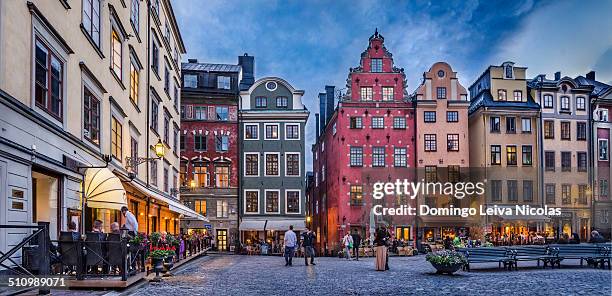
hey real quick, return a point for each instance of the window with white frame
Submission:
(378, 156)
(222, 209)
(518, 95)
(548, 101)
(116, 54)
(526, 125)
(272, 201)
(376, 65)
(366, 93)
(251, 201)
(292, 201)
(271, 132)
(282, 102)
(387, 93)
(200, 112)
(378, 122)
(603, 149)
(580, 103)
(221, 143)
(91, 20)
(261, 102)
(190, 81)
(399, 157)
(224, 82)
(292, 131)
(251, 164)
(565, 103)
(292, 164)
(356, 156)
(272, 164)
(222, 176)
(399, 122)
(251, 131)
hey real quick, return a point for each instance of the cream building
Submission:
(81, 81)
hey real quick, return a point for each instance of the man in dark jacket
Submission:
(308, 238)
(356, 244)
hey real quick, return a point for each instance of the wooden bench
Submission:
(485, 255)
(531, 253)
(591, 253)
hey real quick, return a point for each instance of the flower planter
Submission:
(168, 264)
(448, 269)
(158, 266)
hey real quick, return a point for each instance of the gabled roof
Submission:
(600, 89)
(210, 67)
(485, 99)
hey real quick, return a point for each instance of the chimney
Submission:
(192, 61)
(591, 75)
(322, 103)
(247, 63)
(329, 90)
(557, 76)
(318, 126)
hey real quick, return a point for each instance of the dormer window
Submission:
(376, 65)
(508, 71)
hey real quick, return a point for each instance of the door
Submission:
(221, 240)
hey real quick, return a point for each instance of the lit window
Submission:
(91, 117)
(356, 195)
(116, 54)
(222, 176)
(222, 209)
(134, 75)
(116, 138)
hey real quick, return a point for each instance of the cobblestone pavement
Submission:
(259, 275)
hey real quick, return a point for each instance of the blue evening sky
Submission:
(313, 43)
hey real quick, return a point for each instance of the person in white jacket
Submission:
(347, 242)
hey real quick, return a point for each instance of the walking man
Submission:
(290, 243)
(308, 238)
(356, 244)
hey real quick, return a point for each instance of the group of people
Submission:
(291, 243)
(382, 241)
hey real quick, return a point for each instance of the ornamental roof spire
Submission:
(376, 35)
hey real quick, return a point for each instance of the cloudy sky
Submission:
(313, 43)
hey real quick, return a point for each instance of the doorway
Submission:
(46, 201)
(221, 240)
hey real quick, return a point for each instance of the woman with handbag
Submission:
(347, 242)
(380, 241)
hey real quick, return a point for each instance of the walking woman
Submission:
(347, 241)
(380, 240)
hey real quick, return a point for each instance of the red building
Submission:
(367, 138)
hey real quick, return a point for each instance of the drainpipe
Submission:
(148, 69)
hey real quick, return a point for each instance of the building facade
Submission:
(272, 167)
(504, 146)
(369, 137)
(441, 118)
(108, 91)
(565, 138)
(209, 146)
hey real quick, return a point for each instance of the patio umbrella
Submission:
(103, 190)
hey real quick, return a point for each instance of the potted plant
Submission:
(446, 261)
(138, 242)
(157, 260)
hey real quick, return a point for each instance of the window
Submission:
(452, 142)
(496, 190)
(292, 131)
(221, 143)
(175, 138)
(251, 202)
(378, 156)
(510, 125)
(199, 142)
(366, 93)
(565, 103)
(293, 202)
(222, 113)
(566, 161)
(431, 173)
(222, 209)
(116, 138)
(376, 65)
(454, 173)
(501, 94)
(508, 71)
(222, 176)
(603, 149)
(566, 197)
(224, 82)
(165, 179)
(183, 173)
(549, 129)
(356, 122)
(602, 115)
(527, 190)
(200, 174)
(511, 155)
(251, 131)
(272, 201)
(356, 156)
(581, 132)
(441, 92)
(200, 112)
(271, 131)
(182, 142)
(527, 153)
(550, 193)
(548, 101)
(580, 103)
(582, 161)
(399, 157)
(116, 54)
(378, 122)
(166, 128)
(387, 93)
(200, 206)
(429, 116)
(134, 153)
(518, 96)
(154, 114)
(512, 190)
(549, 161)
(166, 80)
(430, 142)
(48, 80)
(565, 130)
(272, 165)
(135, 14)
(261, 102)
(399, 122)
(526, 125)
(176, 97)
(582, 198)
(91, 117)
(282, 102)
(91, 20)
(134, 75)
(292, 164)
(251, 164)
(190, 81)
(452, 116)
(323, 174)
(603, 188)
(154, 173)
(356, 194)
(495, 124)
(495, 155)
(155, 56)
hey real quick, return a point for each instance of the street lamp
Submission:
(160, 151)
(308, 219)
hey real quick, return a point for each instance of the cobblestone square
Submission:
(262, 275)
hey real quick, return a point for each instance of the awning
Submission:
(283, 225)
(252, 225)
(103, 190)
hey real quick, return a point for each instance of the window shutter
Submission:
(189, 111)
